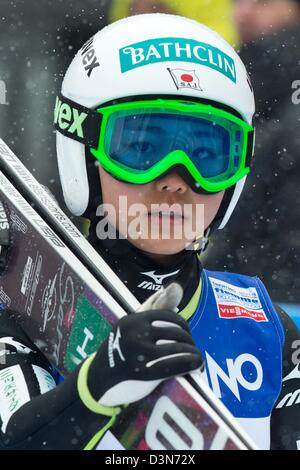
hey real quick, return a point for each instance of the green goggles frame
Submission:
(176, 157)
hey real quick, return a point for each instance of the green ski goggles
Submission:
(140, 141)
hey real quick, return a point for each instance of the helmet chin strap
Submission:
(201, 243)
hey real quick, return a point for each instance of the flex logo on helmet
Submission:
(176, 49)
(68, 118)
(89, 59)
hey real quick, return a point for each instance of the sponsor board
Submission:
(237, 302)
(176, 50)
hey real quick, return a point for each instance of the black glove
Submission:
(142, 350)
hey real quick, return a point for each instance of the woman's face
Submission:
(162, 217)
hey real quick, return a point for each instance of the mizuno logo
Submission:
(290, 399)
(68, 118)
(295, 374)
(114, 345)
(157, 278)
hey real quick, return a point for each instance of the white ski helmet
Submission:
(140, 56)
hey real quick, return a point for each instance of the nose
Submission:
(172, 183)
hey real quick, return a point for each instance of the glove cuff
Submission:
(85, 395)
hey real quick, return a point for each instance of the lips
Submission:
(166, 214)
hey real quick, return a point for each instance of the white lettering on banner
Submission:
(176, 49)
(197, 50)
(152, 51)
(165, 46)
(234, 375)
(136, 54)
(224, 291)
(228, 66)
(157, 423)
(81, 349)
(186, 49)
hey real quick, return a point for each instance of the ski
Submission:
(68, 298)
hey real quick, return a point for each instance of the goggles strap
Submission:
(250, 148)
(77, 122)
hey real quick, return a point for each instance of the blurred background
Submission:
(38, 39)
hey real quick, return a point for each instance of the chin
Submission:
(161, 247)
